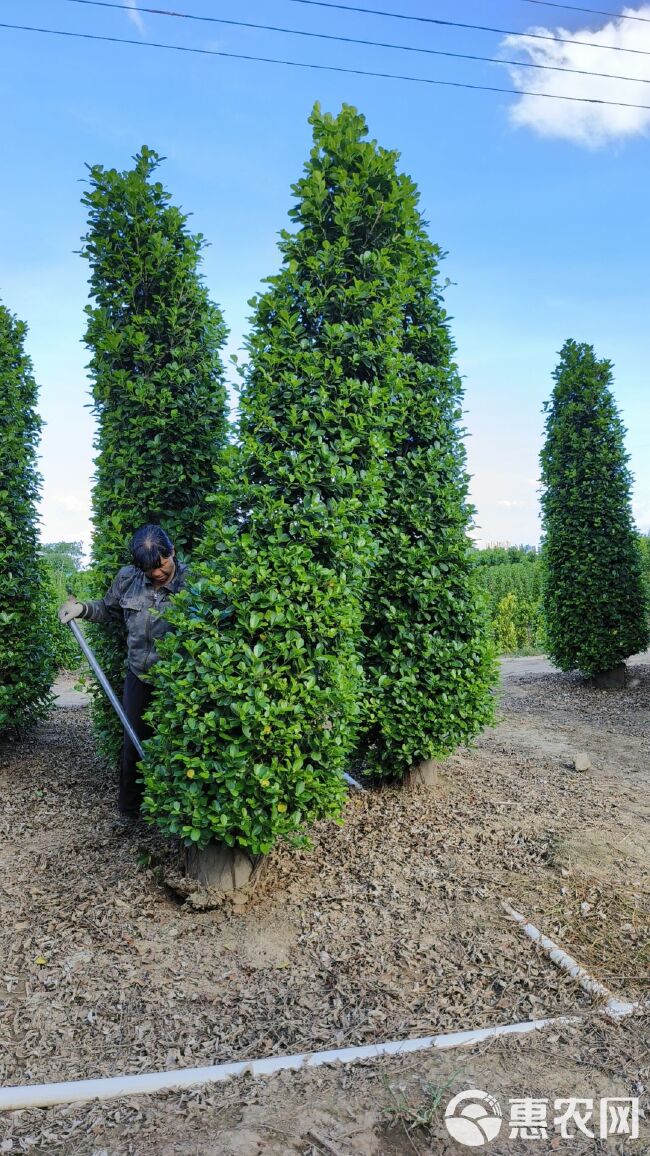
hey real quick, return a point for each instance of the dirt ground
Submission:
(390, 927)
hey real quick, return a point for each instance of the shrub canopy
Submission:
(27, 620)
(428, 662)
(265, 657)
(594, 598)
(258, 700)
(157, 380)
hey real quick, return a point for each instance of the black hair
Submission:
(149, 545)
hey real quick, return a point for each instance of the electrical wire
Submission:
(474, 27)
(356, 40)
(589, 11)
(321, 67)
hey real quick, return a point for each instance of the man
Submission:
(138, 596)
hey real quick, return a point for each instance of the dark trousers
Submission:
(135, 700)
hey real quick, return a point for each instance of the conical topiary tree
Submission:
(157, 381)
(256, 713)
(594, 598)
(428, 663)
(270, 633)
(27, 619)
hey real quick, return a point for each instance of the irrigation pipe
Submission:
(112, 1087)
(80, 1091)
(567, 963)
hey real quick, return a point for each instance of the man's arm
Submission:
(106, 609)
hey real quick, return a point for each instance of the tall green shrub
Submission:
(272, 693)
(330, 415)
(428, 661)
(157, 381)
(594, 598)
(27, 620)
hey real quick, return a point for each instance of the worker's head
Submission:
(152, 551)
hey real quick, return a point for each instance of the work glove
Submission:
(71, 609)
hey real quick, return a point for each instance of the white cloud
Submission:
(586, 124)
(70, 503)
(134, 15)
(65, 517)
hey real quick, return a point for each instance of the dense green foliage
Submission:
(511, 577)
(27, 620)
(500, 555)
(63, 567)
(258, 700)
(274, 690)
(594, 596)
(428, 662)
(644, 546)
(157, 381)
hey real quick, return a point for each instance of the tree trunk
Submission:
(424, 774)
(220, 867)
(613, 679)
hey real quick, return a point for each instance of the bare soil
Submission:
(390, 927)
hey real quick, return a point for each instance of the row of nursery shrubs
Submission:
(333, 619)
(511, 577)
(65, 574)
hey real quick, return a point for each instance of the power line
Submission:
(356, 40)
(589, 11)
(322, 67)
(474, 27)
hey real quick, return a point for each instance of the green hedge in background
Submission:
(63, 566)
(511, 578)
(157, 383)
(595, 599)
(27, 619)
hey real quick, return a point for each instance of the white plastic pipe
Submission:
(80, 1091)
(567, 963)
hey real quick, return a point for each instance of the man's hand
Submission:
(70, 609)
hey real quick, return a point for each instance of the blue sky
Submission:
(539, 203)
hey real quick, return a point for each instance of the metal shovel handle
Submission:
(106, 687)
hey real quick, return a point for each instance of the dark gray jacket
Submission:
(133, 598)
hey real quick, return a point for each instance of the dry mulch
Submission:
(390, 927)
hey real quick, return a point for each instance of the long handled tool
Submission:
(117, 706)
(106, 687)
